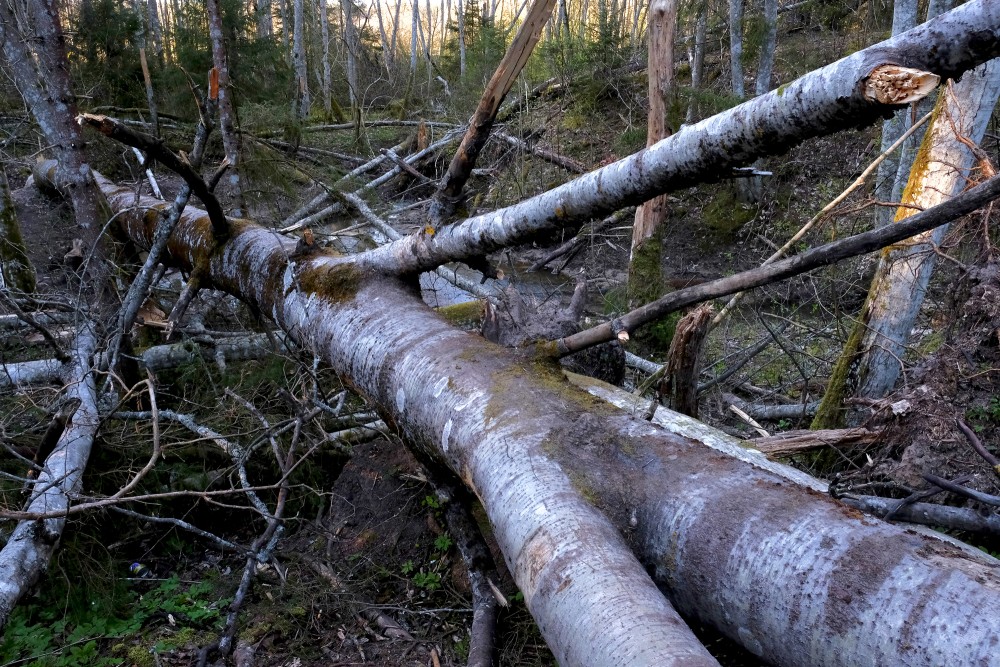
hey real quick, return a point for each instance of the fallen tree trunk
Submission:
(790, 574)
(29, 549)
(45, 371)
(851, 92)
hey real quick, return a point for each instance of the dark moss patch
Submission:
(339, 282)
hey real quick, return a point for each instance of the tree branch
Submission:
(814, 258)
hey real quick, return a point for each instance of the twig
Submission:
(57, 349)
(183, 525)
(963, 490)
(977, 445)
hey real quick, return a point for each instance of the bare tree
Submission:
(736, 47)
(265, 22)
(302, 101)
(645, 281)
(227, 111)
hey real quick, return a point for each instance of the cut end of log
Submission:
(892, 84)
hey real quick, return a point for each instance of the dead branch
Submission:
(567, 163)
(960, 490)
(814, 258)
(794, 442)
(448, 197)
(928, 514)
(155, 148)
(977, 445)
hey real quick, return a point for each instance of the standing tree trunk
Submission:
(42, 76)
(645, 281)
(414, 35)
(324, 28)
(387, 55)
(283, 12)
(945, 164)
(736, 47)
(697, 58)
(767, 48)
(227, 112)
(395, 29)
(461, 39)
(301, 103)
(155, 30)
(353, 46)
(909, 150)
(904, 17)
(265, 24)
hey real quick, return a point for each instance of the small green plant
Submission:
(429, 581)
(408, 567)
(443, 543)
(983, 415)
(42, 635)
(431, 502)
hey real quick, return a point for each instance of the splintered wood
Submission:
(892, 84)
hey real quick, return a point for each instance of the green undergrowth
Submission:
(110, 622)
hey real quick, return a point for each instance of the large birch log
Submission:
(29, 549)
(790, 574)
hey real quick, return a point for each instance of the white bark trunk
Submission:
(227, 110)
(904, 17)
(461, 39)
(736, 47)
(767, 49)
(324, 30)
(941, 170)
(302, 100)
(414, 30)
(353, 50)
(29, 549)
(265, 23)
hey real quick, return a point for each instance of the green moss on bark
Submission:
(645, 272)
